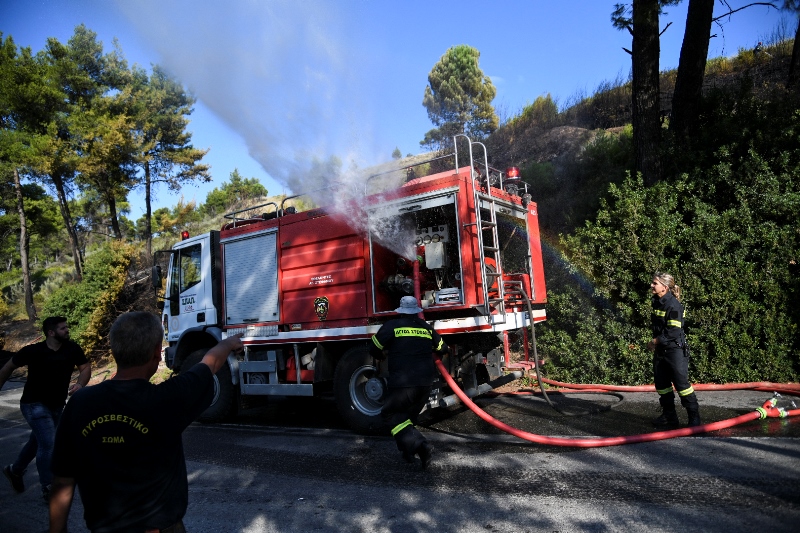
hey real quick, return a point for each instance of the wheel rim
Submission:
(216, 390)
(366, 390)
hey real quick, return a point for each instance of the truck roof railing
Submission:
(232, 216)
(488, 180)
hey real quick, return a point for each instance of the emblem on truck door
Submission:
(321, 305)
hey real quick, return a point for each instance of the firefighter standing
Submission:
(409, 341)
(671, 353)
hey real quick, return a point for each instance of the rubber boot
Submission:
(668, 418)
(425, 452)
(694, 416)
(409, 440)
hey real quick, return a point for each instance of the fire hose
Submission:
(767, 410)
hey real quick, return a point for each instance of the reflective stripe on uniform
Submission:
(412, 332)
(400, 427)
(659, 313)
(376, 343)
(686, 392)
(664, 391)
(440, 346)
(674, 323)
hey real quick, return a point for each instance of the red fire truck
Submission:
(309, 289)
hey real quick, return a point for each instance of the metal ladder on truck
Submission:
(492, 278)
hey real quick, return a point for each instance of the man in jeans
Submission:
(50, 365)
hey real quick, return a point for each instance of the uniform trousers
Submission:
(400, 413)
(672, 367)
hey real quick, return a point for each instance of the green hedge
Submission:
(729, 233)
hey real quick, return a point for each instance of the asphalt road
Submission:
(292, 466)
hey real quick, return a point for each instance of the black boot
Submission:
(425, 452)
(409, 440)
(694, 416)
(667, 419)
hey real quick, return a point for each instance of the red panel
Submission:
(322, 270)
(470, 257)
(540, 291)
(317, 226)
(344, 301)
(317, 253)
(319, 276)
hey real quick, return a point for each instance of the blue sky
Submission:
(280, 83)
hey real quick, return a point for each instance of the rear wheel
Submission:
(359, 392)
(223, 404)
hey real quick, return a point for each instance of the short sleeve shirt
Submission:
(121, 442)
(49, 372)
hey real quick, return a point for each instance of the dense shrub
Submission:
(89, 305)
(727, 229)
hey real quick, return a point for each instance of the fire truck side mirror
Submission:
(155, 277)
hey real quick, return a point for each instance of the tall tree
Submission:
(793, 6)
(42, 220)
(458, 98)
(160, 107)
(16, 78)
(691, 67)
(108, 147)
(643, 26)
(24, 246)
(692, 63)
(82, 74)
(646, 84)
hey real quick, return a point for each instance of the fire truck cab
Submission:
(309, 289)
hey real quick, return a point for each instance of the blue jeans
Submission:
(43, 421)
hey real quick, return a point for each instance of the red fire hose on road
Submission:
(767, 410)
(789, 388)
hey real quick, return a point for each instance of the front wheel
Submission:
(359, 392)
(223, 404)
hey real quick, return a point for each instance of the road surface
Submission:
(292, 466)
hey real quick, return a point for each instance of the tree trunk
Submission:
(24, 242)
(794, 68)
(73, 236)
(691, 68)
(148, 228)
(112, 208)
(646, 119)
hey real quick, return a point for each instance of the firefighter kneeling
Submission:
(409, 342)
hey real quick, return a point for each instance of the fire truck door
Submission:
(187, 292)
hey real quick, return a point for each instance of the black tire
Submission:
(223, 406)
(359, 392)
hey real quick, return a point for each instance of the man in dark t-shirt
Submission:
(409, 342)
(50, 365)
(120, 441)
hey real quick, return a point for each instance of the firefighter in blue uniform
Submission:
(671, 353)
(409, 343)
